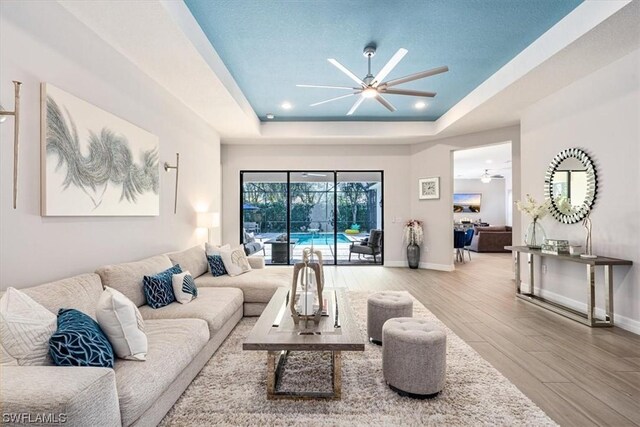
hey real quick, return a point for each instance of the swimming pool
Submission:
(318, 238)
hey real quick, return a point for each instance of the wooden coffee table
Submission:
(276, 333)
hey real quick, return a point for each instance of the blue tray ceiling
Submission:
(270, 46)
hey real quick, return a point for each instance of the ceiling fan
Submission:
(373, 86)
(486, 177)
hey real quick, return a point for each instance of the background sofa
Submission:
(181, 337)
(491, 239)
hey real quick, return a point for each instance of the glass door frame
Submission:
(335, 205)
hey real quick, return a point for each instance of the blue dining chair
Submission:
(468, 237)
(458, 244)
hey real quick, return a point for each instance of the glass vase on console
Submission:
(535, 235)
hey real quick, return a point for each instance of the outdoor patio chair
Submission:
(371, 246)
(252, 227)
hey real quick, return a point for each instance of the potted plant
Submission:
(535, 235)
(414, 236)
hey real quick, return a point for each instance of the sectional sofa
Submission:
(181, 337)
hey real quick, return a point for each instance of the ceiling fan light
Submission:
(369, 92)
(485, 178)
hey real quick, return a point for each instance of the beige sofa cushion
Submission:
(79, 292)
(194, 260)
(215, 306)
(256, 285)
(84, 396)
(127, 277)
(173, 343)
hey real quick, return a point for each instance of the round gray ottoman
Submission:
(414, 357)
(383, 306)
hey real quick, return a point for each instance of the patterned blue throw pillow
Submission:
(216, 265)
(158, 289)
(79, 341)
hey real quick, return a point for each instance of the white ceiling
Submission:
(471, 163)
(172, 49)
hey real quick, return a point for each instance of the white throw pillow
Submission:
(25, 329)
(184, 287)
(122, 323)
(215, 249)
(235, 261)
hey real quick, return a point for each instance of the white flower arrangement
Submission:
(532, 208)
(413, 233)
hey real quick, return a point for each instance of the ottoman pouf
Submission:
(414, 357)
(383, 306)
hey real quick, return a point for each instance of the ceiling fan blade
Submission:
(332, 99)
(356, 105)
(342, 68)
(329, 87)
(389, 66)
(416, 76)
(407, 92)
(386, 103)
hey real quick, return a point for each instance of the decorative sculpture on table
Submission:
(311, 273)
(586, 222)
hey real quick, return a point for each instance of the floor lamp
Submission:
(208, 220)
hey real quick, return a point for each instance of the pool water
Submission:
(318, 238)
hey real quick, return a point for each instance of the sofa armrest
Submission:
(256, 262)
(45, 395)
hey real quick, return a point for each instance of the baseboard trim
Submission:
(423, 265)
(623, 322)
(439, 267)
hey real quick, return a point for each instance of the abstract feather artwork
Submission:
(94, 163)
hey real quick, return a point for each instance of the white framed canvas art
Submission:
(94, 163)
(429, 188)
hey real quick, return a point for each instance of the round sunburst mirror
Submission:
(570, 185)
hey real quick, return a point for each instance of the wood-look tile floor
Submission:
(578, 375)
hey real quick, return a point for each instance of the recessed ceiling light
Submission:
(489, 161)
(420, 105)
(286, 105)
(270, 116)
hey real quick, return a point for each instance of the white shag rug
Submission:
(231, 389)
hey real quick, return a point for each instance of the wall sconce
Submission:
(167, 167)
(16, 128)
(208, 220)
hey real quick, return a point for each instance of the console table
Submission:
(589, 318)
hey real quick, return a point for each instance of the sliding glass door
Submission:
(335, 212)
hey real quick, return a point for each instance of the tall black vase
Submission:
(413, 255)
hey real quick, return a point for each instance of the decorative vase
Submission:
(535, 236)
(413, 255)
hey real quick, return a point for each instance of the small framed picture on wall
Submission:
(429, 188)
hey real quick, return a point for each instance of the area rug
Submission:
(231, 389)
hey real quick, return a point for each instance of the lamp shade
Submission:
(208, 219)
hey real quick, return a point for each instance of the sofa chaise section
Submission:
(173, 345)
(257, 285)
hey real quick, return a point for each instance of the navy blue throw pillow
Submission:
(158, 289)
(79, 341)
(216, 265)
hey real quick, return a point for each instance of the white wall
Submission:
(402, 166)
(492, 208)
(600, 114)
(435, 159)
(394, 161)
(41, 42)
